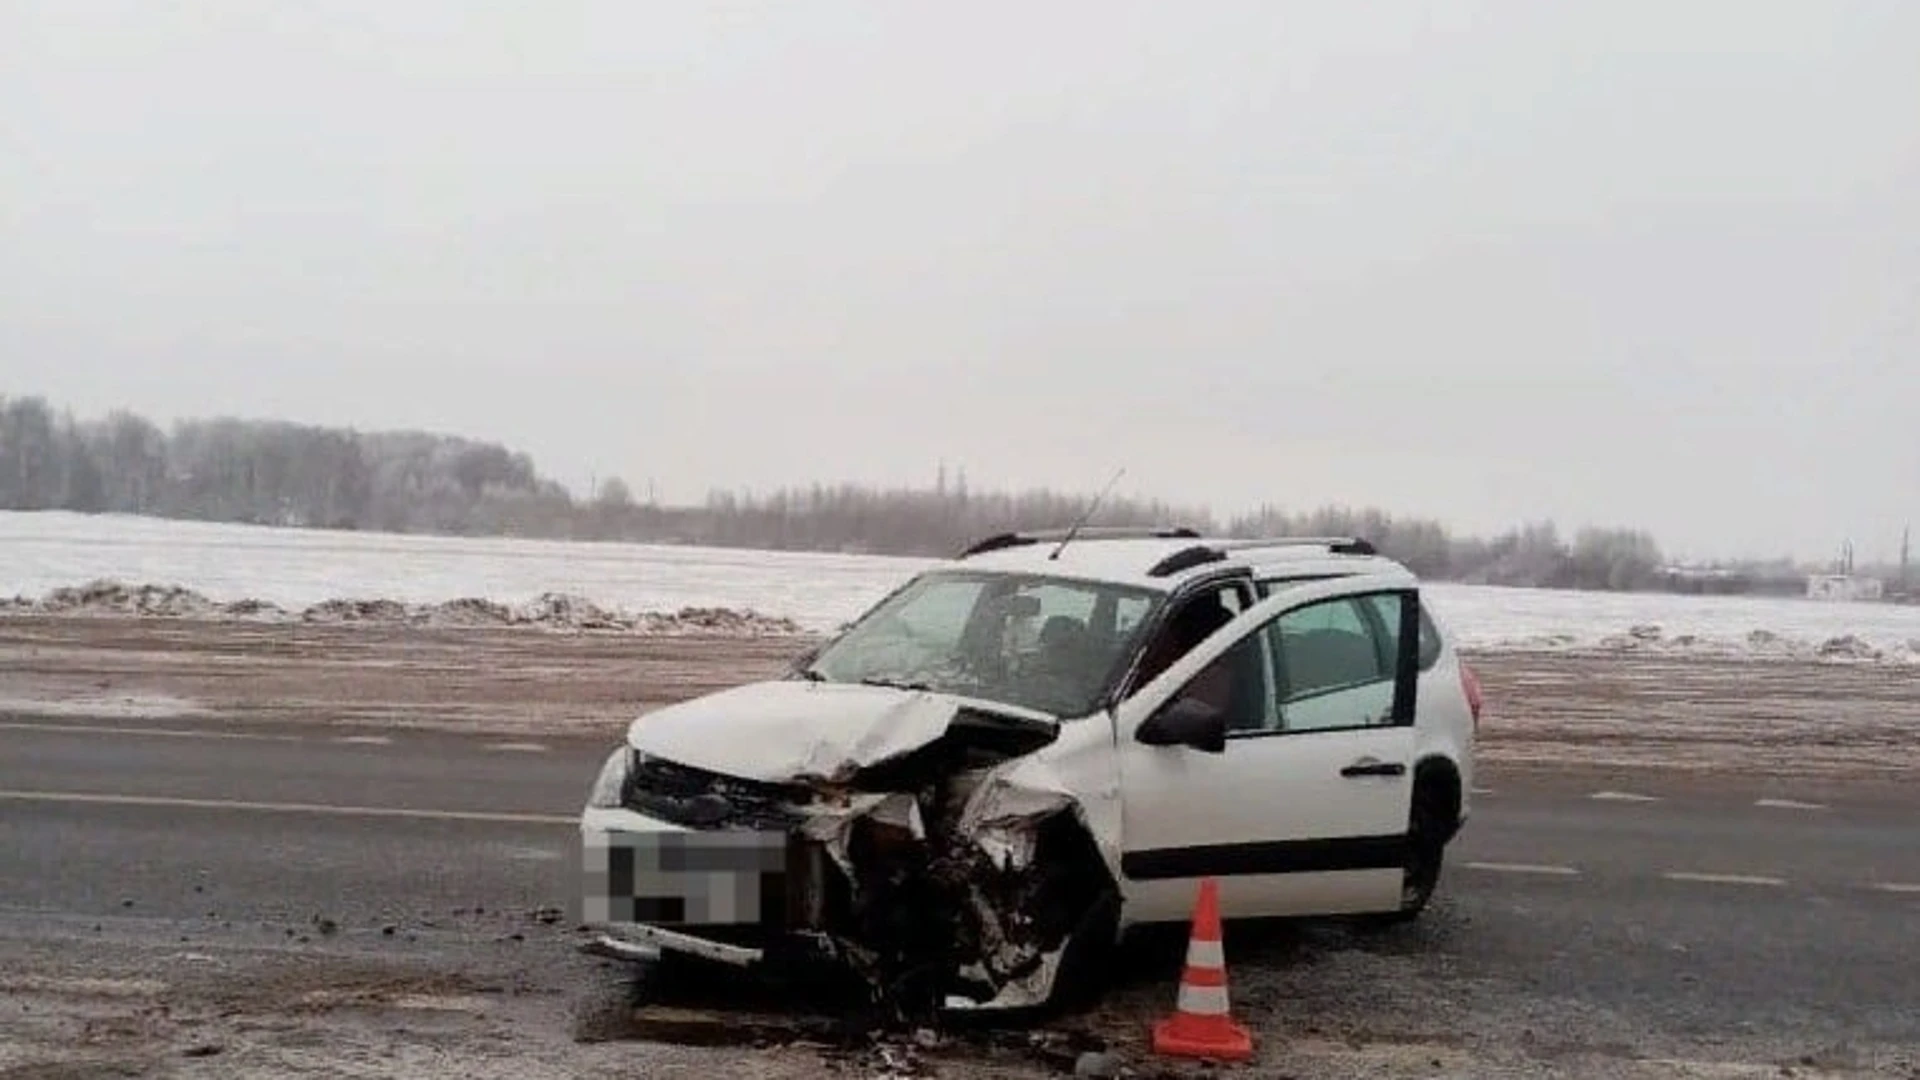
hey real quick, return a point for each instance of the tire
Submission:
(1087, 965)
(1428, 831)
(1427, 839)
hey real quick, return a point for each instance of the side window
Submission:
(1335, 663)
(1343, 615)
(1328, 666)
(1384, 611)
(1238, 683)
(1429, 641)
(1195, 619)
(1271, 586)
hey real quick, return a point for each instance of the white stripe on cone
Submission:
(1206, 954)
(1203, 1000)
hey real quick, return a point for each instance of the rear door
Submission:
(1305, 812)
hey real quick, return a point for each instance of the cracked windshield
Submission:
(1043, 643)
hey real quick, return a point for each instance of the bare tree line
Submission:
(278, 473)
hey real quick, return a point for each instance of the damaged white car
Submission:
(972, 790)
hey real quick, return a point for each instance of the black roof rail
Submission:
(1186, 559)
(1092, 532)
(1339, 545)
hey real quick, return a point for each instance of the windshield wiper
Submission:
(811, 674)
(896, 684)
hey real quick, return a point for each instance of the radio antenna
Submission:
(1087, 515)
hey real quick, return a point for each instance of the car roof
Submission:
(1162, 560)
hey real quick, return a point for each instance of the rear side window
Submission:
(1388, 607)
(1329, 646)
(1429, 641)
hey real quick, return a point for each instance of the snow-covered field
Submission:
(298, 569)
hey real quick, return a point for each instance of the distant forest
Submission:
(278, 473)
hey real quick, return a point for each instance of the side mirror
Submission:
(1186, 721)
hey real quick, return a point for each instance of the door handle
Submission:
(1373, 767)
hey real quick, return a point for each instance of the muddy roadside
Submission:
(1833, 721)
(130, 1001)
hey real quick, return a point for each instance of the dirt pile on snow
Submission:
(254, 609)
(565, 611)
(470, 612)
(356, 611)
(549, 611)
(1847, 647)
(712, 620)
(1755, 645)
(113, 598)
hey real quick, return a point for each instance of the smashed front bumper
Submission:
(730, 895)
(887, 886)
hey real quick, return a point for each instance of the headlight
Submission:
(611, 784)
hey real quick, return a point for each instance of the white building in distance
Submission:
(1844, 587)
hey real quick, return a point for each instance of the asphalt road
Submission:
(1579, 912)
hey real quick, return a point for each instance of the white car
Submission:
(974, 788)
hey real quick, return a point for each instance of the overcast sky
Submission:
(1644, 263)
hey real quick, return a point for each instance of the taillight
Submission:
(1470, 683)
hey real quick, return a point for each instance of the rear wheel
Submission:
(1426, 849)
(1429, 827)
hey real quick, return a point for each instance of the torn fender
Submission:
(1078, 774)
(1047, 825)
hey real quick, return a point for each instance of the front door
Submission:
(1305, 812)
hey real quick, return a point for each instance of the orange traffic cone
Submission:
(1201, 1026)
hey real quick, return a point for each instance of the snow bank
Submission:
(548, 611)
(571, 613)
(292, 572)
(1651, 639)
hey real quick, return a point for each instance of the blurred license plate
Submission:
(726, 878)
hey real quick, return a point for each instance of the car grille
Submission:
(697, 799)
(691, 798)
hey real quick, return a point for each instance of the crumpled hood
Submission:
(793, 730)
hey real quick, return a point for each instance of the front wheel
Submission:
(1087, 961)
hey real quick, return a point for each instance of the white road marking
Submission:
(1524, 868)
(170, 733)
(518, 747)
(1480, 791)
(368, 740)
(83, 987)
(1704, 1067)
(1897, 887)
(422, 1002)
(1722, 879)
(1788, 804)
(1623, 796)
(87, 798)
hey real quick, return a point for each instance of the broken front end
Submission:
(959, 874)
